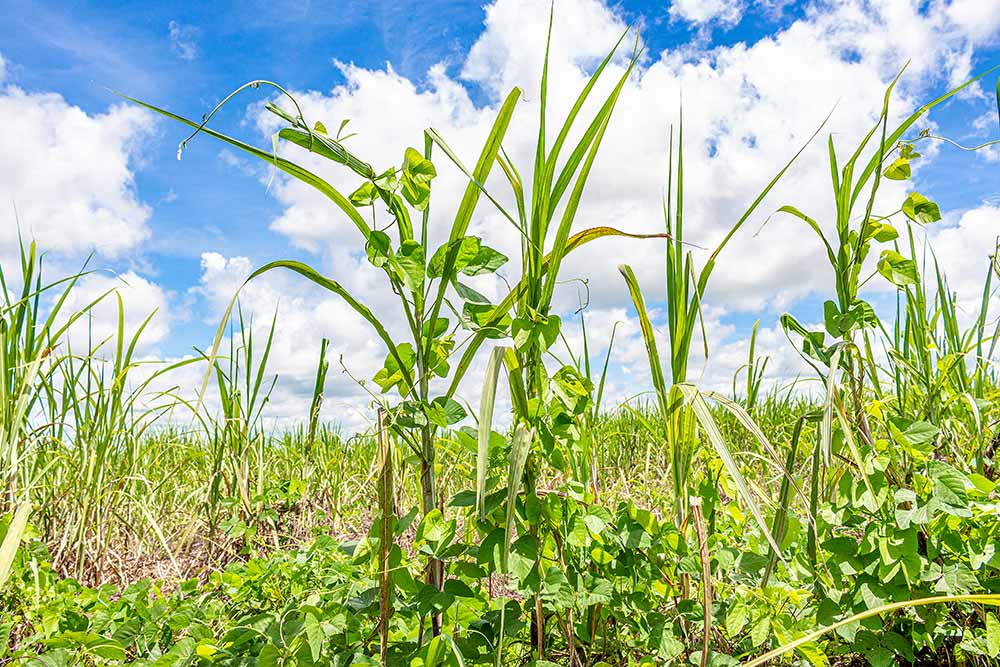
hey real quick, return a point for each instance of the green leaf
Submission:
(921, 209)
(542, 334)
(440, 326)
(392, 373)
(484, 315)
(831, 318)
(992, 635)
(314, 636)
(418, 172)
(432, 527)
(487, 402)
(736, 618)
(418, 167)
(411, 261)
(520, 447)
(899, 170)
(572, 388)
(469, 294)
(378, 248)
(914, 444)
(55, 658)
(949, 484)
(880, 231)
(386, 181)
(879, 657)
(487, 260)
(760, 630)
(269, 656)
(12, 540)
(694, 398)
(365, 195)
(921, 432)
(183, 654)
(465, 250)
(445, 411)
(897, 269)
(957, 579)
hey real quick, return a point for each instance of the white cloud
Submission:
(703, 11)
(70, 175)
(963, 250)
(305, 314)
(979, 18)
(183, 40)
(140, 299)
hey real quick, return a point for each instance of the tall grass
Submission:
(685, 290)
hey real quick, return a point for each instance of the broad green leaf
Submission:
(397, 368)
(992, 635)
(487, 260)
(880, 231)
(899, 170)
(417, 174)
(957, 579)
(897, 269)
(445, 412)
(411, 261)
(767, 658)
(529, 333)
(269, 656)
(366, 195)
(54, 658)
(949, 484)
(440, 326)
(463, 251)
(736, 618)
(469, 294)
(378, 248)
(760, 630)
(921, 209)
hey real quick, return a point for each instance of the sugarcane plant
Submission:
(418, 274)
(426, 279)
(681, 406)
(855, 186)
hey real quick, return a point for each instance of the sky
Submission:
(85, 173)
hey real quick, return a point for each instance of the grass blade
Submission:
(12, 540)
(486, 405)
(986, 599)
(520, 447)
(694, 398)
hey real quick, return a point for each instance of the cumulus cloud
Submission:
(67, 182)
(305, 315)
(963, 250)
(69, 174)
(704, 11)
(980, 20)
(140, 300)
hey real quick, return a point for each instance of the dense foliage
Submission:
(856, 526)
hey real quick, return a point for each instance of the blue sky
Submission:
(186, 56)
